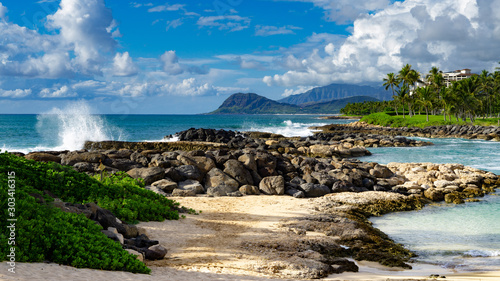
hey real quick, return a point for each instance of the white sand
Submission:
(208, 246)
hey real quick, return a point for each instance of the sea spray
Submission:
(68, 128)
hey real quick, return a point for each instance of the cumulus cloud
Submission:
(171, 65)
(265, 30)
(449, 34)
(85, 26)
(346, 11)
(231, 22)
(3, 10)
(297, 91)
(62, 92)
(189, 87)
(18, 93)
(123, 65)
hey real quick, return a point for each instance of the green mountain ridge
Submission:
(336, 92)
(250, 103)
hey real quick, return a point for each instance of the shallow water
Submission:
(462, 237)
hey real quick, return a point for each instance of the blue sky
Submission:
(184, 57)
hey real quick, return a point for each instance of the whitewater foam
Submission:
(287, 128)
(71, 126)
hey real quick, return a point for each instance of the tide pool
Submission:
(461, 237)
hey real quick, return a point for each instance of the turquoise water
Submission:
(464, 237)
(69, 128)
(461, 237)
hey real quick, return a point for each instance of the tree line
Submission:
(473, 97)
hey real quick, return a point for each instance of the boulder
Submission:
(443, 183)
(434, 194)
(156, 252)
(237, 170)
(295, 193)
(113, 236)
(249, 161)
(217, 177)
(149, 175)
(221, 190)
(165, 185)
(183, 193)
(72, 158)
(155, 189)
(139, 158)
(43, 157)
(380, 171)
(323, 178)
(273, 185)
(138, 255)
(203, 163)
(249, 190)
(314, 190)
(173, 174)
(189, 172)
(124, 164)
(84, 167)
(340, 265)
(193, 185)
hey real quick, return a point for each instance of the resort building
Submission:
(456, 75)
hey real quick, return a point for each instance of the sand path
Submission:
(208, 246)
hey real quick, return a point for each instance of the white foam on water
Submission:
(70, 127)
(288, 129)
(482, 253)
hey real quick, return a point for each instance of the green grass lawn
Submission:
(420, 120)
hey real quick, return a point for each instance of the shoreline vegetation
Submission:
(342, 192)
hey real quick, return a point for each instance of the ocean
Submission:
(463, 237)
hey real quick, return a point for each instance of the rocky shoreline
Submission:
(347, 191)
(447, 131)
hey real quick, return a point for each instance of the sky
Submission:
(187, 57)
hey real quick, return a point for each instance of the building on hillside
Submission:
(456, 75)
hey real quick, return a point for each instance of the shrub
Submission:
(45, 233)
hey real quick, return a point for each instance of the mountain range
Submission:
(336, 91)
(321, 100)
(250, 103)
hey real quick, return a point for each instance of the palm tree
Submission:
(425, 98)
(402, 94)
(466, 97)
(389, 82)
(409, 77)
(485, 90)
(436, 81)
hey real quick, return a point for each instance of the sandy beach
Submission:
(214, 245)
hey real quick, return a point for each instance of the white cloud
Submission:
(264, 30)
(62, 92)
(123, 65)
(346, 11)
(449, 34)
(231, 23)
(84, 25)
(166, 7)
(135, 90)
(189, 87)
(297, 91)
(18, 93)
(138, 5)
(174, 24)
(3, 10)
(171, 65)
(249, 61)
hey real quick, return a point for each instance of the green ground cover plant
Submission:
(45, 233)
